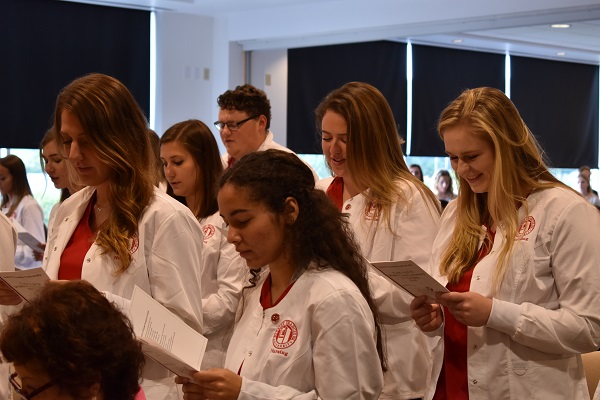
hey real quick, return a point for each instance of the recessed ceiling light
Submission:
(560, 26)
(561, 53)
(457, 41)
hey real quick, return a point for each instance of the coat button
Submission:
(274, 318)
(474, 347)
(88, 260)
(474, 381)
(55, 248)
(249, 353)
(347, 207)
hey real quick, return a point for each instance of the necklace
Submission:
(99, 208)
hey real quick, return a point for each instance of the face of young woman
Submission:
(256, 232)
(471, 157)
(443, 184)
(180, 169)
(583, 186)
(6, 181)
(334, 131)
(90, 169)
(416, 172)
(55, 165)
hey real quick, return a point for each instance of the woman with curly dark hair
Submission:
(308, 327)
(72, 343)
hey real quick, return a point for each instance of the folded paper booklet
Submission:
(26, 283)
(31, 241)
(165, 337)
(410, 277)
(27, 237)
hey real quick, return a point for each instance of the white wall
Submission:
(196, 62)
(184, 53)
(187, 48)
(268, 71)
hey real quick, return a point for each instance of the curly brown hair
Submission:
(246, 98)
(78, 338)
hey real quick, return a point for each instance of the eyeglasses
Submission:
(232, 126)
(24, 395)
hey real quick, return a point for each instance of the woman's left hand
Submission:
(212, 384)
(469, 308)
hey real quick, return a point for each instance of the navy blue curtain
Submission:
(46, 44)
(439, 76)
(315, 71)
(559, 103)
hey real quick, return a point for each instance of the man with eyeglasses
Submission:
(244, 121)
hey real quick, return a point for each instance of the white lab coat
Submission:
(547, 311)
(8, 245)
(30, 217)
(223, 273)
(318, 342)
(409, 351)
(269, 143)
(166, 264)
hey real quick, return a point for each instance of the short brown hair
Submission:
(246, 98)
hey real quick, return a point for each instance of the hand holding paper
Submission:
(164, 336)
(25, 283)
(410, 277)
(31, 241)
(427, 316)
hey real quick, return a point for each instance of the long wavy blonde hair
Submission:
(117, 131)
(518, 163)
(373, 149)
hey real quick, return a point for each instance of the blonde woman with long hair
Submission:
(393, 215)
(519, 250)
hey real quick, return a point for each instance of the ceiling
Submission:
(520, 27)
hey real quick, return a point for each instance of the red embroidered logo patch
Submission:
(372, 212)
(285, 335)
(208, 230)
(526, 228)
(135, 244)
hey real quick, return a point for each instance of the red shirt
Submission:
(335, 192)
(453, 380)
(265, 294)
(266, 302)
(71, 259)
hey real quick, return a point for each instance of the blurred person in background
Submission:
(586, 191)
(416, 170)
(443, 187)
(21, 208)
